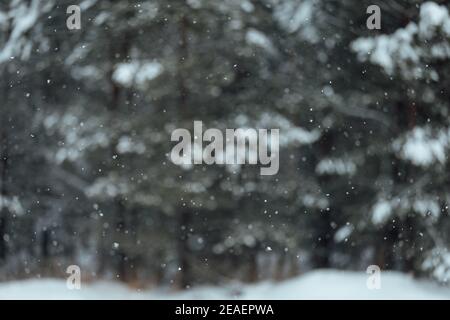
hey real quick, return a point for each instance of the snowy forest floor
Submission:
(320, 284)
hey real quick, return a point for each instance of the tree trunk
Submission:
(280, 270)
(322, 250)
(323, 239)
(121, 256)
(184, 277)
(3, 195)
(253, 270)
(182, 58)
(408, 248)
(184, 216)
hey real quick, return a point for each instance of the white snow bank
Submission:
(321, 284)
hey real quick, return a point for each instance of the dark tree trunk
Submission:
(121, 234)
(118, 53)
(4, 163)
(322, 249)
(45, 241)
(323, 238)
(184, 269)
(408, 248)
(253, 270)
(384, 252)
(280, 271)
(184, 216)
(4, 160)
(182, 58)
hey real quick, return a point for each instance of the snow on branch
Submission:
(406, 48)
(12, 204)
(17, 22)
(422, 147)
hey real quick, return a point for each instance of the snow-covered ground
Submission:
(321, 284)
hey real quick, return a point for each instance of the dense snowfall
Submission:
(86, 177)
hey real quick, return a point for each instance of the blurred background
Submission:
(86, 117)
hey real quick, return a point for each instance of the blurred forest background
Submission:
(86, 117)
